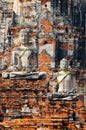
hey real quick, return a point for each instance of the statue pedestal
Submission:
(66, 97)
(24, 75)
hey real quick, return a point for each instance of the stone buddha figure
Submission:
(24, 60)
(65, 81)
(23, 57)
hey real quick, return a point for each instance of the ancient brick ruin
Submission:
(58, 30)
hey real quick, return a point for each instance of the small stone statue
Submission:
(23, 56)
(64, 85)
(65, 79)
(26, 109)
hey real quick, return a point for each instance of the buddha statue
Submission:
(24, 60)
(63, 82)
(65, 79)
(23, 57)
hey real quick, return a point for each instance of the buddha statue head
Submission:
(24, 37)
(64, 64)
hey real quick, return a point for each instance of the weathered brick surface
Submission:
(44, 114)
(34, 93)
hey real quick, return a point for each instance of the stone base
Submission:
(24, 75)
(68, 97)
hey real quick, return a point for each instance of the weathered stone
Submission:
(5, 74)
